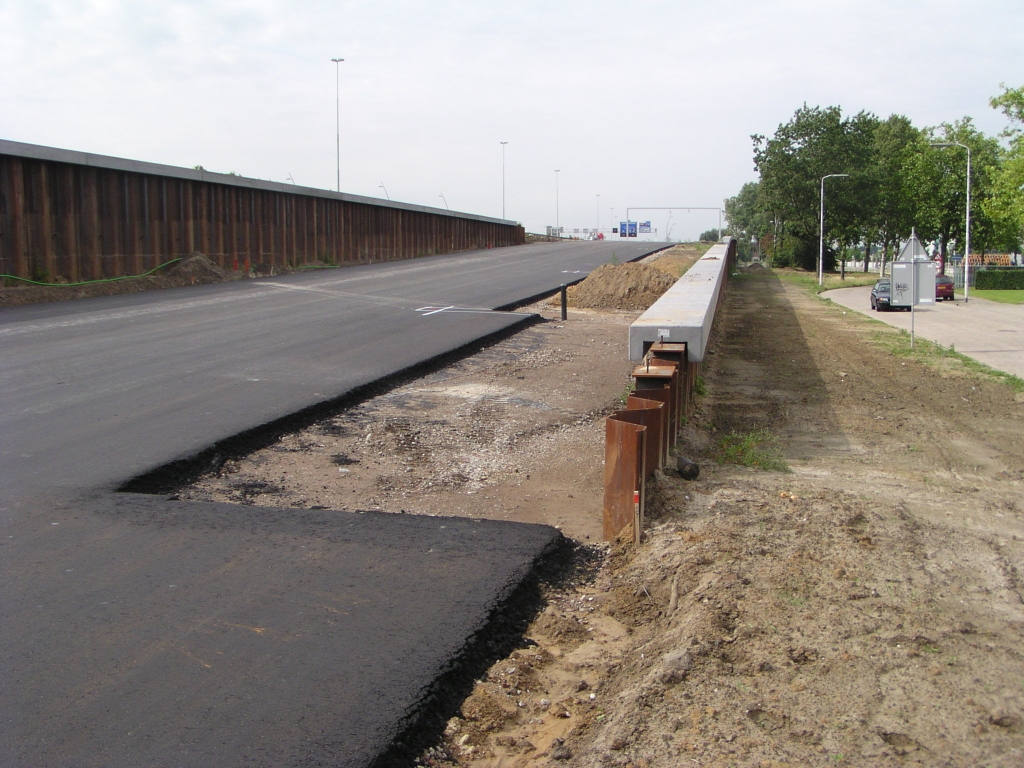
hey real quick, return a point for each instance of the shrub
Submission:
(999, 280)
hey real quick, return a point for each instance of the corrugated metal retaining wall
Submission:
(85, 217)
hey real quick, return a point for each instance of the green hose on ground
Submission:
(88, 282)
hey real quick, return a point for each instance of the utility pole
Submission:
(967, 233)
(337, 118)
(503, 143)
(821, 230)
(558, 229)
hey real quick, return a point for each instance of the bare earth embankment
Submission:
(863, 608)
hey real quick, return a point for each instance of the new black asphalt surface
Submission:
(137, 630)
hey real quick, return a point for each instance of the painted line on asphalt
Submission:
(434, 310)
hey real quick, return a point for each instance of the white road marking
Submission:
(470, 310)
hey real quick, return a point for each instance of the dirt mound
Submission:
(199, 267)
(620, 286)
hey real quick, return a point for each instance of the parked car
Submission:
(943, 288)
(880, 296)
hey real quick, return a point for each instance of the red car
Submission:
(943, 288)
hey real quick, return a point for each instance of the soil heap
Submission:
(620, 286)
(200, 268)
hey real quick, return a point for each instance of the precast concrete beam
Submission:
(686, 311)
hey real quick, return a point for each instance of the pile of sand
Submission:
(200, 268)
(620, 286)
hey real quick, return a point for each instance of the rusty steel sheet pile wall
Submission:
(624, 474)
(78, 216)
(638, 440)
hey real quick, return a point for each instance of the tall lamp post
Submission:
(445, 201)
(503, 143)
(558, 230)
(967, 236)
(337, 118)
(385, 191)
(821, 230)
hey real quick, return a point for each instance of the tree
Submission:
(942, 176)
(746, 217)
(815, 143)
(1006, 205)
(1011, 101)
(896, 199)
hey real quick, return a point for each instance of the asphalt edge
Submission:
(172, 476)
(503, 631)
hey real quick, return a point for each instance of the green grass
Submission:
(699, 387)
(1003, 297)
(795, 600)
(809, 280)
(927, 352)
(627, 391)
(754, 449)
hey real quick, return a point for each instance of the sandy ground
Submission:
(862, 608)
(990, 332)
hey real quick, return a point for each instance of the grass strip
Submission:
(1003, 297)
(757, 449)
(897, 342)
(809, 281)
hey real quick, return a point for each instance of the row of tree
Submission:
(897, 181)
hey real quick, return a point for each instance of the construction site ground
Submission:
(843, 590)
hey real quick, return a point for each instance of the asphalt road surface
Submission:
(140, 630)
(990, 332)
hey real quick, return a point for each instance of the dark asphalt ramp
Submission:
(157, 632)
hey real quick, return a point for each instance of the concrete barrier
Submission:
(686, 311)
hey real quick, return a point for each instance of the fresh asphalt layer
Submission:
(987, 331)
(140, 630)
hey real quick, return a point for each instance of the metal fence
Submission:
(82, 217)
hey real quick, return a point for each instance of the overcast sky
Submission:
(642, 103)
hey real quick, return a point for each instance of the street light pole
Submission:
(967, 235)
(385, 191)
(445, 201)
(558, 231)
(503, 143)
(337, 118)
(821, 231)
